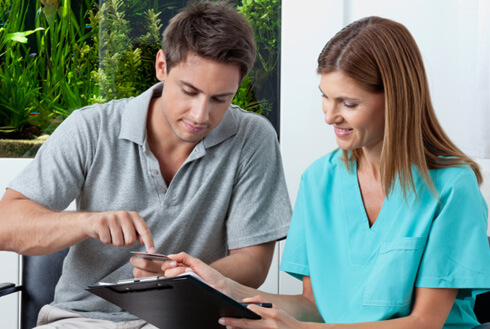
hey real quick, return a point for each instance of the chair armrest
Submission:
(8, 288)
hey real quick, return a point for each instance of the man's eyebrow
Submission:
(190, 85)
(321, 90)
(199, 90)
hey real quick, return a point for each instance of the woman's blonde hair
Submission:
(382, 56)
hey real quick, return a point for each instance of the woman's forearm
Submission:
(299, 306)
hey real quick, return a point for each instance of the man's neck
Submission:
(170, 151)
(160, 134)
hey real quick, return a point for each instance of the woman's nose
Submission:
(330, 111)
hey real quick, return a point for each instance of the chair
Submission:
(482, 308)
(40, 275)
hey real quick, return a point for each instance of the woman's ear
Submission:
(161, 66)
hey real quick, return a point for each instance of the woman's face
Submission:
(356, 114)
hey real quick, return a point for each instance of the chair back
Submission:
(482, 305)
(40, 274)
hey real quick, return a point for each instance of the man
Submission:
(176, 169)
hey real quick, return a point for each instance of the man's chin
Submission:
(191, 139)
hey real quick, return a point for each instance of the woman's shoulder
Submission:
(327, 163)
(449, 175)
(453, 178)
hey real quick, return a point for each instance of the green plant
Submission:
(91, 51)
(81, 56)
(264, 16)
(114, 42)
(19, 91)
(149, 44)
(66, 58)
(18, 100)
(247, 99)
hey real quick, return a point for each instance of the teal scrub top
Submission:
(361, 273)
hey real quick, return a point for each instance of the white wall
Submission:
(308, 25)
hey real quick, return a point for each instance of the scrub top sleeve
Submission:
(457, 254)
(294, 259)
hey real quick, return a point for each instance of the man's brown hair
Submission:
(212, 30)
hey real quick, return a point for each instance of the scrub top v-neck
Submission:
(361, 273)
(360, 234)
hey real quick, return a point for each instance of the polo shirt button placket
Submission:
(163, 190)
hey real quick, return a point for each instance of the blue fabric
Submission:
(361, 273)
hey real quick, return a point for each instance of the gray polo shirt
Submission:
(229, 193)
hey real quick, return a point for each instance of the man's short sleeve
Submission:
(260, 209)
(56, 175)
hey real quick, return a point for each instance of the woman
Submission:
(389, 231)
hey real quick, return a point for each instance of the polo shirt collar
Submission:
(133, 122)
(226, 128)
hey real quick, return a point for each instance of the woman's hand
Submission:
(146, 267)
(211, 276)
(271, 317)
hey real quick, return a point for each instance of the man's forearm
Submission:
(248, 266)
(28, 228)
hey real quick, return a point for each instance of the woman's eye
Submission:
(350, 104)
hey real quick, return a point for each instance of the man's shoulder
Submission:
(104, 118)
(249, 122)
(241, 114)
(109, 109)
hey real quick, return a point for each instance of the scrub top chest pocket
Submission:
(392, 279)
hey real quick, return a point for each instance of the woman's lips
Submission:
(342, 132)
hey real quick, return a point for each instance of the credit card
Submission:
(150, 256)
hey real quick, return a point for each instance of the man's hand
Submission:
(29, 228)
(120, 228)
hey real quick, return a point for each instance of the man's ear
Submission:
(161, 66)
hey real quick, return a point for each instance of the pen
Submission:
(267, 305)
(148, 278)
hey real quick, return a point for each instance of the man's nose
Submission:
(200, 110)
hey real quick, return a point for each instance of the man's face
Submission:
(196, 95)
